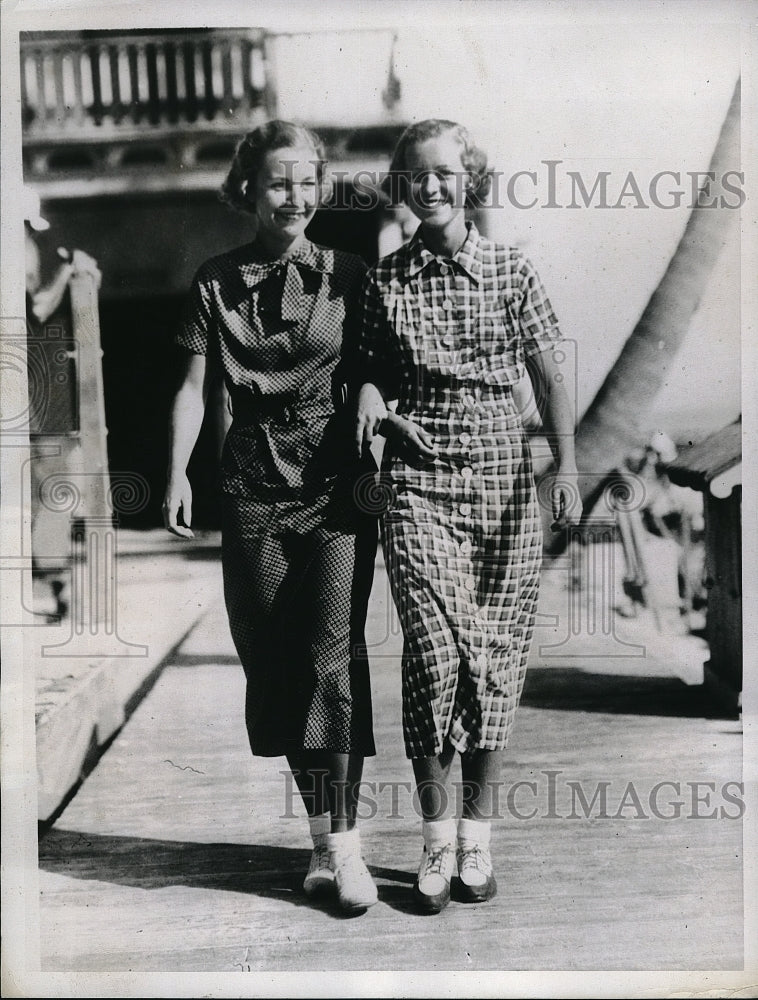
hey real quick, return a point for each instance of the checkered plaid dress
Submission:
(297, 553)
(462, 536)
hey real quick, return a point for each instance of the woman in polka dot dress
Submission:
(450, 321)
(277, 318)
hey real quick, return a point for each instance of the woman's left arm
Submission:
(558, 422)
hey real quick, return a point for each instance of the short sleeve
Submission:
(537, 321)
(379, 354)
(196, 317)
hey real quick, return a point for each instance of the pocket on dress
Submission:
(495, 672)
(245, 457)
(501, 344)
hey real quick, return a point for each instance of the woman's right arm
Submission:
(376, 415)
(383, 367)
(371, 412)
(378, 365)
(185, 422)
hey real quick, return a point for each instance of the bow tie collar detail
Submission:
(308, 258)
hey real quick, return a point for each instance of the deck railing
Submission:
(112, 84)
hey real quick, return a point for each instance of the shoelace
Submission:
(474, 857)
(319, 857)
(435, 860)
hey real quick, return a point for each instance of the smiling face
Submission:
(285, 195)
(438, 180)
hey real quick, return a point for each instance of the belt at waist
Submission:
(250, 407)
(438, 388)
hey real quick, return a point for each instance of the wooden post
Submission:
(92, 427)
(94, 597)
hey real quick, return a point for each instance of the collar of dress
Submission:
(254, 268)
(468, 257)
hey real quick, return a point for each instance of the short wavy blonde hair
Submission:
(473, 158)
(275, 134)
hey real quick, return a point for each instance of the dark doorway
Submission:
(139, 377)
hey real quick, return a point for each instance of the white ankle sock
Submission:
(320, 825)
(438, 832)
(474, 831)
(344, 841)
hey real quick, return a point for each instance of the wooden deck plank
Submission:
(176, 854)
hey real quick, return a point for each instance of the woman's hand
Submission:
(565, 496)
(409, 441)
(178, 499)
(84, 264)
(371, 410)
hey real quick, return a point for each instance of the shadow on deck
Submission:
(252, 869)
(570, 689)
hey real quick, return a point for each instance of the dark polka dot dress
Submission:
(462, 536)
(298, 551)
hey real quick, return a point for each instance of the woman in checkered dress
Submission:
(450, 321)
(277, 318)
